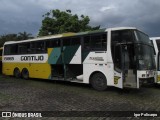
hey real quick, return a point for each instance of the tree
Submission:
(14, 37)
(57, 21)
(24, 36)
(8, 37)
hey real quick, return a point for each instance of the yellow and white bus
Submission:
(156, 43)
(120, 57)
(1, 49)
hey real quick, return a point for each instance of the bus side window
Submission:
(38, 47)
(75, 41)
(71, 41)
(66, 41)
(96, 42)
(124, 36)
(87, 42)
(41, 46)
(104, 41)
(11, 49)
(23, 48)
(52, 43)
(56, 43)
(14, 49)
(6, 50)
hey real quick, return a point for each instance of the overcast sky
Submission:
(26, 15)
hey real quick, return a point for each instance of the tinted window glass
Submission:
(66, 41)
(87, 42)
(71, 41)
(122, 36)
(75, 41)
(38, 47)
(96, 42)
(0, 52)
(158, 44)
(153, 48)
(53, 43)
(24, 48)
(11, 49)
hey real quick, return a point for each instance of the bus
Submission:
(122, 57)
(156, 43)
(1, 49)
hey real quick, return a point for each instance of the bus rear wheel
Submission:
(17, 73)
(99, 82)
(25, 73)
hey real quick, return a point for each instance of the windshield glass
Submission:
(141, 37)
(145, 51)
(145, 57)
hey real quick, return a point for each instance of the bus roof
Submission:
(121, 28)
(155, 38)
(70, 34)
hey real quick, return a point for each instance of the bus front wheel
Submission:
(17, 73)
(25, 73)
(99, 82)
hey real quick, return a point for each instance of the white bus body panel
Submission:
(107, 70)
(97, 62)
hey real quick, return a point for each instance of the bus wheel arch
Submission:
(98, 81)
(25, 73)
(16, 72)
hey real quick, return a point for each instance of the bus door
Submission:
(55, 59)
(71, 57)
(129, 73)
(124, 65)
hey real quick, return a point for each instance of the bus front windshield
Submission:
(145, 52)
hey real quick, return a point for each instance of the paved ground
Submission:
(44, 95)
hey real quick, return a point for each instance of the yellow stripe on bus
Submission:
(36, 70)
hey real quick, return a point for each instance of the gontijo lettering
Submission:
(32, 58)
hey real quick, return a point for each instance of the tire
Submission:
(99, 82)
(17, 73)
(25, 73)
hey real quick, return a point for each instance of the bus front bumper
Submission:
(145, 81)
(146, 77)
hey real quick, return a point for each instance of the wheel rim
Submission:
(25, 74)
(99, 81)
(17, 73)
